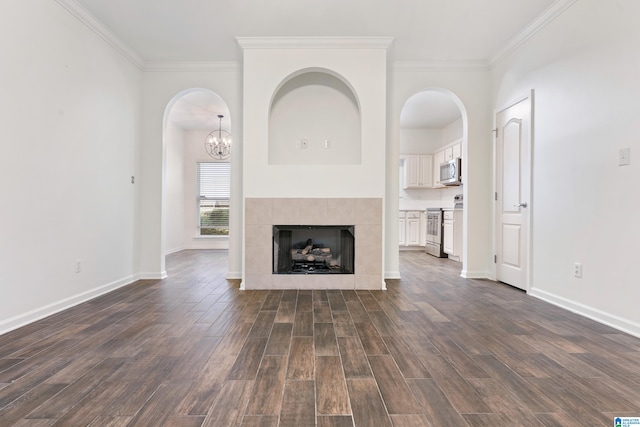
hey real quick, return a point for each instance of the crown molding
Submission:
(191, 66)
(422, 66)
(314, 42)
(91, 22)
(552, 12)
(102, 31)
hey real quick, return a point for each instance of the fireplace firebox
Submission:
(313, 249)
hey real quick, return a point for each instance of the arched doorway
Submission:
(188, 119)
(433, 130)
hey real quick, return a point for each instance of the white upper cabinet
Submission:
(423, 170)
(457, 150)
(453, 151)
(418, 171)
(438, 159)
(448, 153)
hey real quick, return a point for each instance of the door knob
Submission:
(521, 205)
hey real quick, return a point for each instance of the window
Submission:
(214, 190)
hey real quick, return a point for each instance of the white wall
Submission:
(584, 68)
(175, 188)
(452, 132)
(420, 141)
(70, 132)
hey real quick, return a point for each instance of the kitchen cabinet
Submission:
(452, 230)
(453, 151)
(418, 171)
(448, 153)
(438, 159)
(423, 228)
(411, 229)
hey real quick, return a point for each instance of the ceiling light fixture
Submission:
(218, 142)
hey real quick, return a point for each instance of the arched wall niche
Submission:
(314, 119)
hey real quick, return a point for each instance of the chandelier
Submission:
(218, 142)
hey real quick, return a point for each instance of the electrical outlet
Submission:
(577, 270)
(78, 266)
(327, 144)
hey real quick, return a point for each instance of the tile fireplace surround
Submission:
(261, 214)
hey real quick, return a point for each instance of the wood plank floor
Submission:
(432, 350)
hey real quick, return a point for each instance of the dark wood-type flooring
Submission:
(433, 350)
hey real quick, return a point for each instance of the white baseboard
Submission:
(475, 274)
(58, 306)
(209, 244)
(234, 275)
(153, 276)
(173, 251)
(392, 275)
(605, 318)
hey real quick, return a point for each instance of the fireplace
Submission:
(313, 249)
(359, 238)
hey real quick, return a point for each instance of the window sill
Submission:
(211, 237)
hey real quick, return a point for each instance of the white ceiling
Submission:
(199, 109)
(429, 110)
(423, 31)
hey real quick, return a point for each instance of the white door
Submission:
(513, 191)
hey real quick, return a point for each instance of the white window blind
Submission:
(214, 190)
(215, 180)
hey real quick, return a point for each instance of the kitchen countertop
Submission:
(430, 207)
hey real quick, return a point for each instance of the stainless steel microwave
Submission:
(451, 172)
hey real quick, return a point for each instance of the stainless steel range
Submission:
(434, 233)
